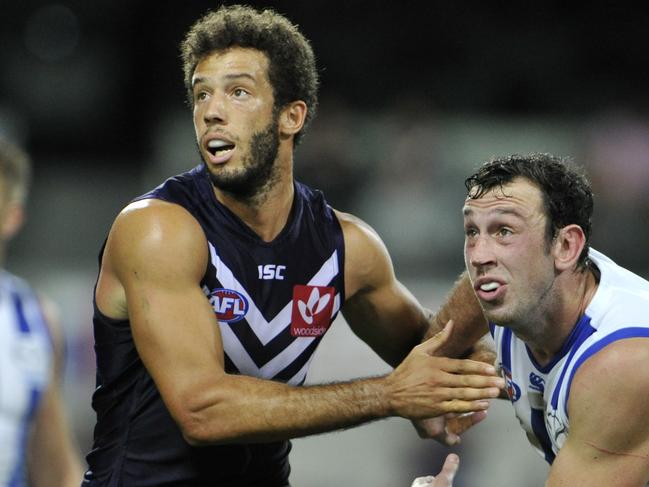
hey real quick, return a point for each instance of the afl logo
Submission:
(229, 305)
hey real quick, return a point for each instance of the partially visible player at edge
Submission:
(571, 326)
(36, 448)
(185, 400)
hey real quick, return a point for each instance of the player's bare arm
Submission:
(154, 261)
(462, 306)
(608, 443)
(379, 309)
(53, 458)
(383, 313)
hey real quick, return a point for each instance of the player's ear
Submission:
(291, 118)
(567, 246)
(12, 220)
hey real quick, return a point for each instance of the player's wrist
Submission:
(380, 389)
(393, 396)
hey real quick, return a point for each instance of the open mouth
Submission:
(219, 148)
(489, 287)
(489, 290)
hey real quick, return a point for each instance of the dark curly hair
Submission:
(292, 69)
(567, 195)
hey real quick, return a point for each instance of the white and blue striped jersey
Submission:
(26, 357)
(540, 395)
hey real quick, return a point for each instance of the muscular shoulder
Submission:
(358, 234)
(608, 396)
(153, 219)
(153, 242)
(367, 262)
(156, 231)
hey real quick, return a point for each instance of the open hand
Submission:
(425, 386)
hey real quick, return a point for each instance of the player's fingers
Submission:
(423, 481)
(479, 382)
(464, 366)
(466, 393)
(437, 340)
(491, 383)
(462, 406)
(458, 424)
(448, 438)
(447, 474)
(443, 377)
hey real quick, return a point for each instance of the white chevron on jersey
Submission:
(298, 378)
(245, 365)
(267, 330)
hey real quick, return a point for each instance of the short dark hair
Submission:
(15, 171)
(292, 70)
(567, 195)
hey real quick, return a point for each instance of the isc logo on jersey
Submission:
(229, 305)
(311, 312)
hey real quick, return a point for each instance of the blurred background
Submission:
(415, 95)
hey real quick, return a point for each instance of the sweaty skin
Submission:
(535, 288)
(156, 255)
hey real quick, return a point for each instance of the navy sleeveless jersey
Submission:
(273, 301)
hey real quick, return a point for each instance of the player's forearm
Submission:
(484, 350)
(237, 408)
(249, 410)
(58, 468)
(390, 320)
(463, 308)
(66, 474)
(53, 457)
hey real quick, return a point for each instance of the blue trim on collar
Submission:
(630, 332)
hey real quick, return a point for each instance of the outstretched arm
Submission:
(378, 308)
(154, 262)
(384, 314)
(608, 441)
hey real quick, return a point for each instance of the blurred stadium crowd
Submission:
(414, 96)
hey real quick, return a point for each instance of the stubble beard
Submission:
(524, 314)
(258, 174)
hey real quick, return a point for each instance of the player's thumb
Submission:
(439, 339)
(449, 469)
(444, 478)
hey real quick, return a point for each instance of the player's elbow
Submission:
(199, 429)
(203, 420)
(196, 434)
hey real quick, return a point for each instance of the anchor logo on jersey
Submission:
(513, 390)
(311, 313)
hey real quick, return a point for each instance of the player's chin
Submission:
(495, 312)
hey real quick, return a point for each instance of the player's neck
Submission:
(569, 306)
(268, 211)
